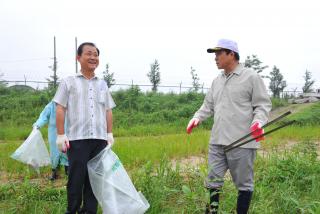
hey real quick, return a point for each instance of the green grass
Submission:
(288, 182)
(285, 181)
(308, 116)
(277, 102)
(12, 132)
(11, 166)
(150, 132)
(28, 197)
(133, 151)
(292, 133)
(136, 150)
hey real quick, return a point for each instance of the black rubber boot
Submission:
(212, 208)
(66, 170)
(243, 204)
(54, 175)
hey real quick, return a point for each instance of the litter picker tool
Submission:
(238, 142)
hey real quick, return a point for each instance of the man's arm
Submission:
(109, 121)
(110, 138)
(205, 111)
(61, 100)
(62, 140)
(60, 114)
(261, 102)
(207, 108)
(44, 116)
(109, 105)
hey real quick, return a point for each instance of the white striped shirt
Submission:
(86, 102)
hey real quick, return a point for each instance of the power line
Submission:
(24, 60)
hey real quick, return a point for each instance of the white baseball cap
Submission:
(224, 44)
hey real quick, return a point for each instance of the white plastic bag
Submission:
(33, 151)
(112, 185)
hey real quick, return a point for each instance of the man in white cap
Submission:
(239, 103)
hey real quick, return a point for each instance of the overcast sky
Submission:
(131, 34)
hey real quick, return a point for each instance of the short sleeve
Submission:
(109, 100)
(61, 96)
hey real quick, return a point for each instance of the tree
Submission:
(108, 77)
(53, 80)
(307, 82)
(254, 63)
(2, 82)
(3, 85)
(277, 84)
(154, 75)
(195, 80)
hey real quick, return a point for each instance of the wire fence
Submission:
(40, 85)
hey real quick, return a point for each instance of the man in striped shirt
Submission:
(86, 103)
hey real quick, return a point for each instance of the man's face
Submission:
(89, 59)
(223, 60)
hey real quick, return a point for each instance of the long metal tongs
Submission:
(238, 142)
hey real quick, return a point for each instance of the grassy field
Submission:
(287, 179)
(169, 166)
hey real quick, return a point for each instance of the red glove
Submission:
(256, 131)
(192, 123)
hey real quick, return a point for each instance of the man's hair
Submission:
(236, 55)
(80, 48)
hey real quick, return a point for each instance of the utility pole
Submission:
(76, 54)
(54, 64)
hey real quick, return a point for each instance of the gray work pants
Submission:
(239, 161)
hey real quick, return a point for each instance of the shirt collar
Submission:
(81, 75)
(238, 70)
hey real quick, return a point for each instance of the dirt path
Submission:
(292, 107)
(42, 179)
(196, 161)
(189, 162)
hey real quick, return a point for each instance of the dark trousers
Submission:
(78, 186)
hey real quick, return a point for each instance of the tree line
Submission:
(276, 85)
(277, 82)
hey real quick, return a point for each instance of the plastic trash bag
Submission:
(112, 185)
(33, 151)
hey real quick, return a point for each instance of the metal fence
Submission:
(39, 85)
